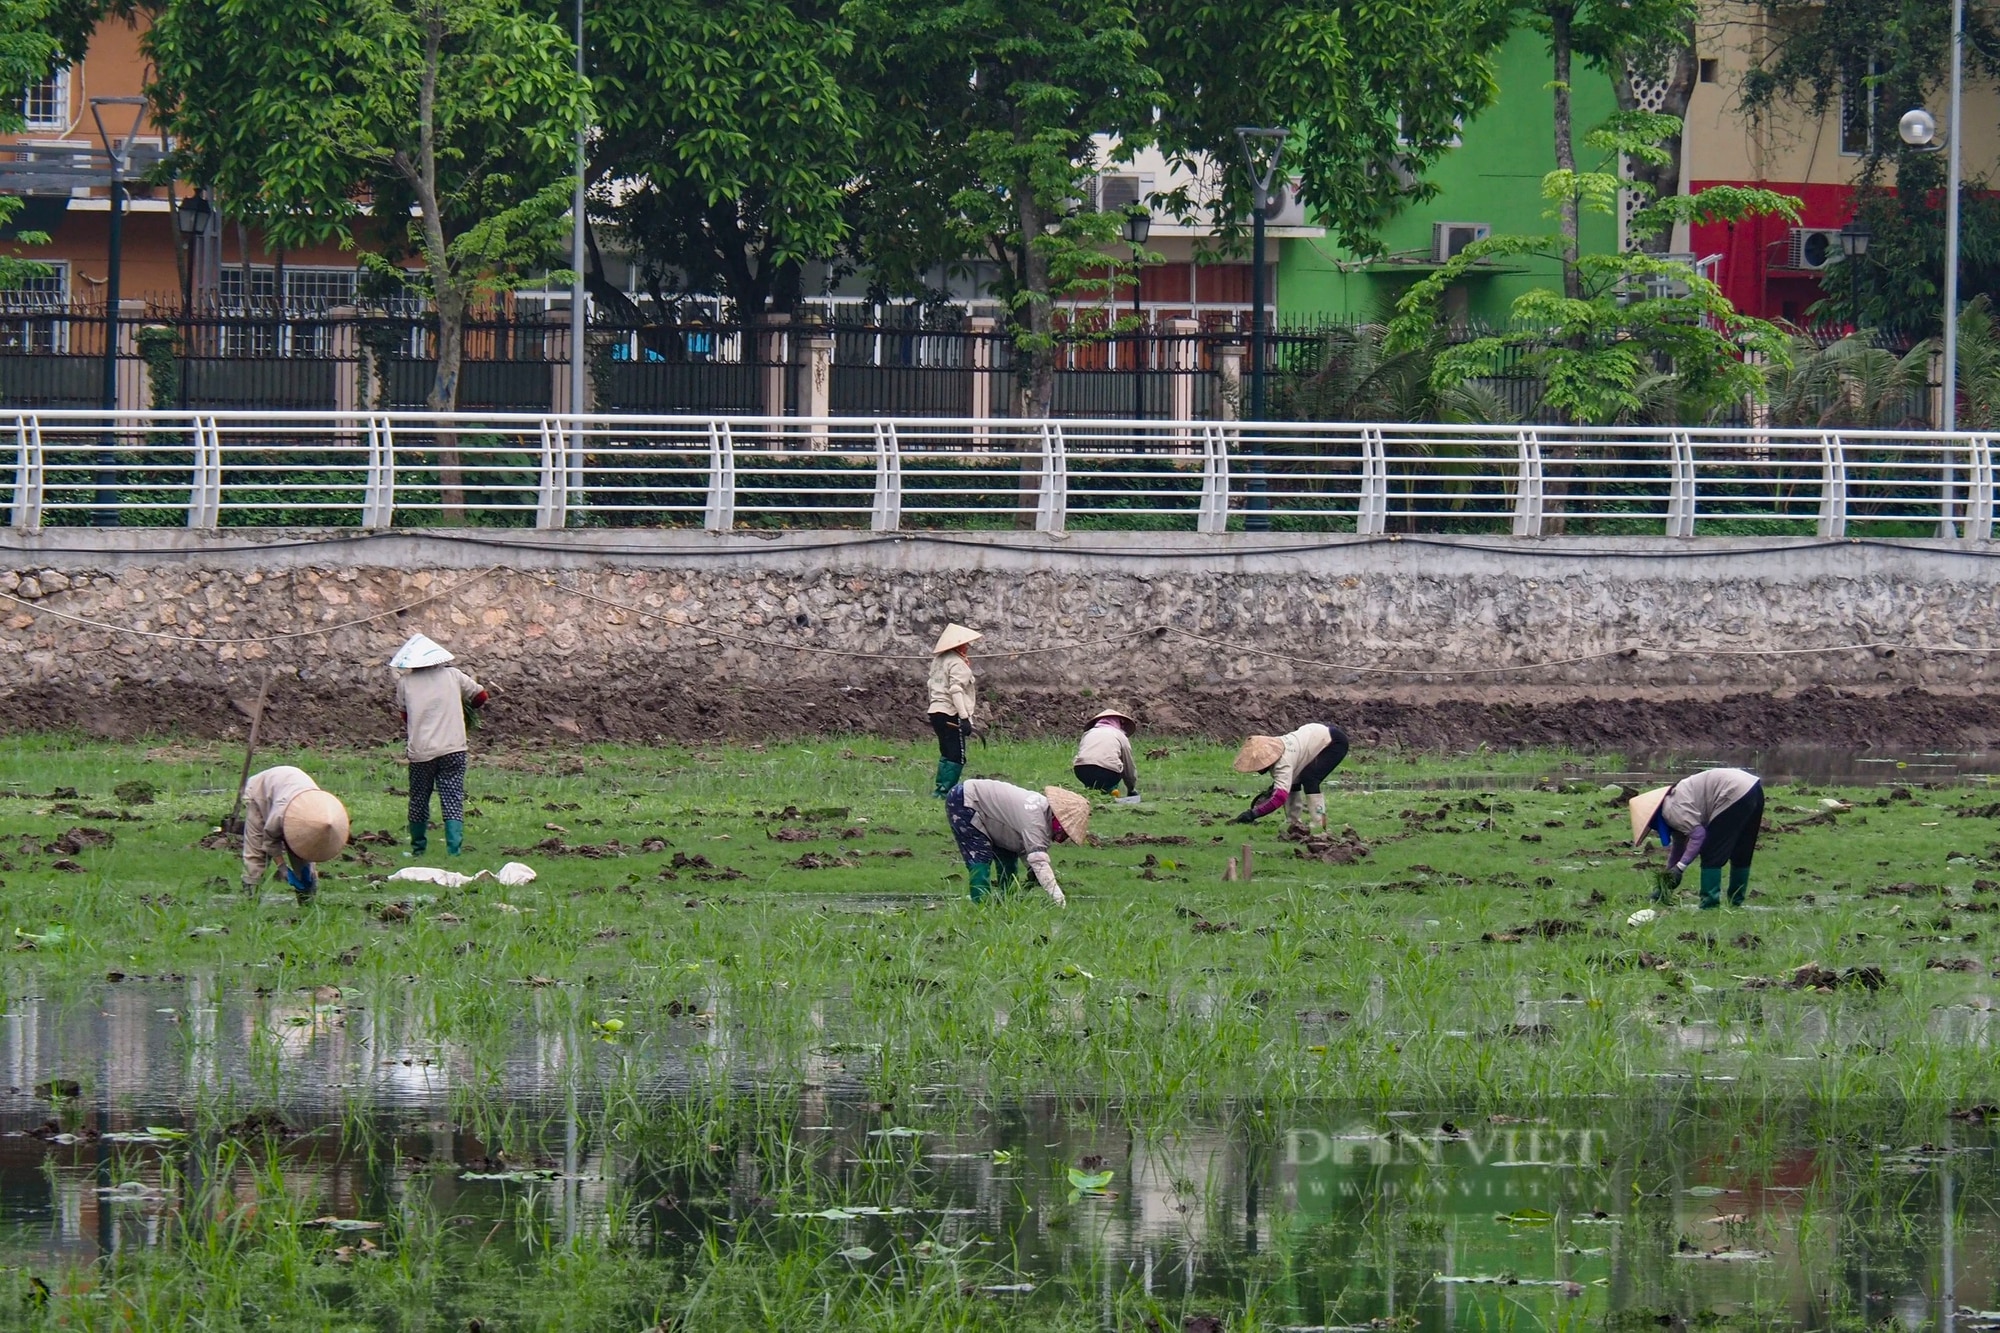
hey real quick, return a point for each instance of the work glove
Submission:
(303, 882)
(965, 727)
(1247, 817)
(1674, 874)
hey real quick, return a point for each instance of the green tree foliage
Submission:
(447, 125)
(33, 40)
(1605, 34)
(1635, 314)
(736, 126)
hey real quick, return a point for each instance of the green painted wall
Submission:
(1494, 176)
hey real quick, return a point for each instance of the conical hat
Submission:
(1644, 806)
(420, 651)
(315, 826)
(1071, 811)
(955, 636)
(1131, 723)
(1259, 753)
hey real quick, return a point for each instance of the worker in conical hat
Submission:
(952, 702)
(287, 818)
(998, 825)
(1104, 755)
(437, 699)
(1298, 763)
(1713, 816)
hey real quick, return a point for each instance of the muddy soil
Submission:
(671, 708)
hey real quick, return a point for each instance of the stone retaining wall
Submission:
(737, 610)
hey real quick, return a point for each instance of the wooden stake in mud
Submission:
(1249, 862)
(1230, 873)
(233, 826)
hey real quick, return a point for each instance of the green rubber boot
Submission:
(1008, 868)
(454, 836)
(419, 839)
(947, 777)
(1711, 888)
(1739, 885)
(979, 880)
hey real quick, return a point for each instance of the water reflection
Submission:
(1674, 1206)
(1812, 765)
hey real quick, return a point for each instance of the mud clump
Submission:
(1343, 850)
(1811, 976)
(74, 841)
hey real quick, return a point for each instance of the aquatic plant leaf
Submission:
(855, 1253)
(1089, 1182)
(1526, 1217)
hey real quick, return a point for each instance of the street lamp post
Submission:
(1262, 151)
(1919, 129)
(119, 150)
(1138, 226)
(1854, 238)
(194, 216)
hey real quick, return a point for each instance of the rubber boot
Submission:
(1007, 872)
(1295, 808)
(454, 836)
(1711, 888)
(419, 837)
(947, 777)
(1739, 884)
(1316, 811)
(979, 880)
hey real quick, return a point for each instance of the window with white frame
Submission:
(46, 103)
(308, 292)
(32, 334)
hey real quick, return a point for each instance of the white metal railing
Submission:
(381, 469)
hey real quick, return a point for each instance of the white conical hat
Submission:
(955, 636)
(420, 651)
(1644, 806)
(315, 826)
(1071, 811)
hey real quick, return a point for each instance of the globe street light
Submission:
(1262, 150)
(118, 148)
(1138, 226)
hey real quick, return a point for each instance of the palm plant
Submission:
(1853, 383)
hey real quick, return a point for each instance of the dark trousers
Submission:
(447, 774)
(1314, 773)
(951, 740)
(1732, 835)
(1098, 779)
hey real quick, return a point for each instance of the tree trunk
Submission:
(1664, 181)
(1036, 319)
(445, 292)
(443, 396)
(1559, 46)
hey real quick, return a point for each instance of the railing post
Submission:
(1528, 485)
(1214, 515)
(1681, 488)
(1979, 488)
(813, 353)
(205, 488)
(888, 478)
(28, 474)
(1371, 519)
(1948, 490)
(552, 494)
(720, 515)
(981, 330)
(1052, 505)
(1832, 487)
(378, 505)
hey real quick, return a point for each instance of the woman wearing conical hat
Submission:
(1104, 756)
(1713, 815)
(952, 700)
(287, 818)
(998, 825)
(436, 698)
(1298, 763)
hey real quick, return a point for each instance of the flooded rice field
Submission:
(136, 1122)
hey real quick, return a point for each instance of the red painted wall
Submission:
(1752, 249)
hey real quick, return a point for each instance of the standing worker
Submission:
(997, 822)
(952, 699)
(287, 818)
(1714, 815)
(436, 698)
(1298, 763)
(1104, 755)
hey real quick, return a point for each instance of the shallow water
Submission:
(1675, 1206)
(1810, 765)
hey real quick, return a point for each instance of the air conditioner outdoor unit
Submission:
(1448, 238)
(1120, 192)
(1811, 249)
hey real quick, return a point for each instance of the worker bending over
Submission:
(1714, 815)
(952, 688)
(1298, 763)
(997, 823)
(436, 699)
(1104, 755)
(287, 818)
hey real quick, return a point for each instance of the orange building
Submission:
(62, 144)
